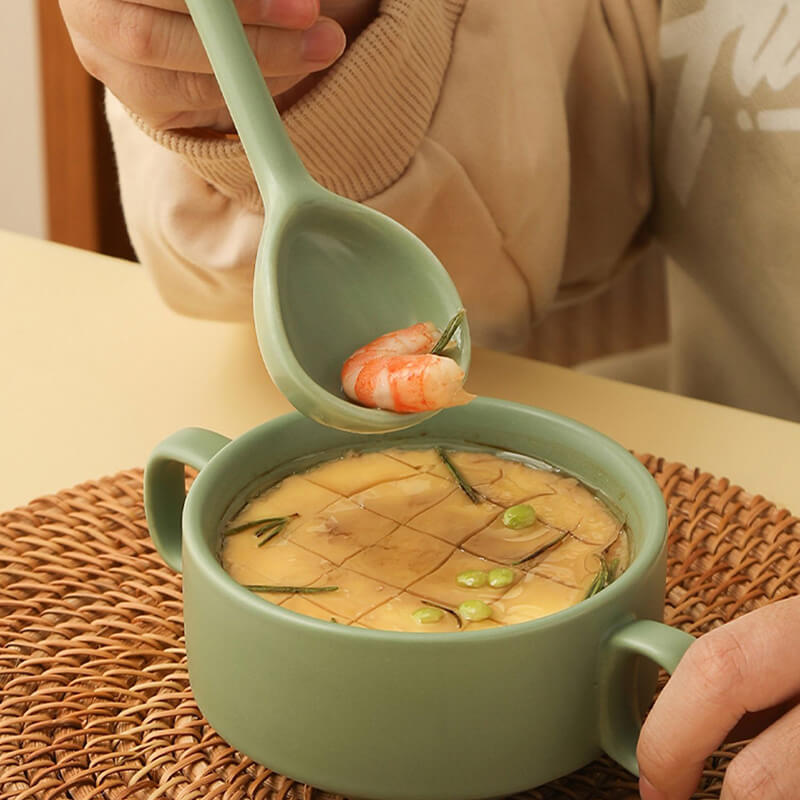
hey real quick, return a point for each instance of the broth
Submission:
(425, 541)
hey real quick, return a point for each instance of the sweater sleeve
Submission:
(511, 137)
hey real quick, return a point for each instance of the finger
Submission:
(164, 98)
(769, 767)
(747, 665)
(291, 14)
(141, 34)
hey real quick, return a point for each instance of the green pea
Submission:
(521, 516)
(474, 610)
(427, 615)
(500, 577)
(472, 578)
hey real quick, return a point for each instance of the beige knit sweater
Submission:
(522, 141)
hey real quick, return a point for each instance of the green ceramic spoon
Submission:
(330, 275)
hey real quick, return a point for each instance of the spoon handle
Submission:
(279, 172)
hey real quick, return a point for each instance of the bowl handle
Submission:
(620, 718)
(165, 485)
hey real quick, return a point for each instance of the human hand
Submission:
(749, 665)
(149, 55)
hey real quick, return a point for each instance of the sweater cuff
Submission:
(358, 128)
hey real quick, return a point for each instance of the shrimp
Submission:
(398, 372)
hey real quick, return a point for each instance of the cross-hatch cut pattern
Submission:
(394, 529)
(95, 701)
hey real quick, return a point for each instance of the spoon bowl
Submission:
(331, 275)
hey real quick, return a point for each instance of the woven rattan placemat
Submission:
(94, 693)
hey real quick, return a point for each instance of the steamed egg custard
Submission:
(426, 541)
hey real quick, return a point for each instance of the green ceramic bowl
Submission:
(405, 716)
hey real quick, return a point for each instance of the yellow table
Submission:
(95, 370)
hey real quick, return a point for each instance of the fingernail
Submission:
(323, 41)
(649, 792)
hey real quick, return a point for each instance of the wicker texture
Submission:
(94, 694)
